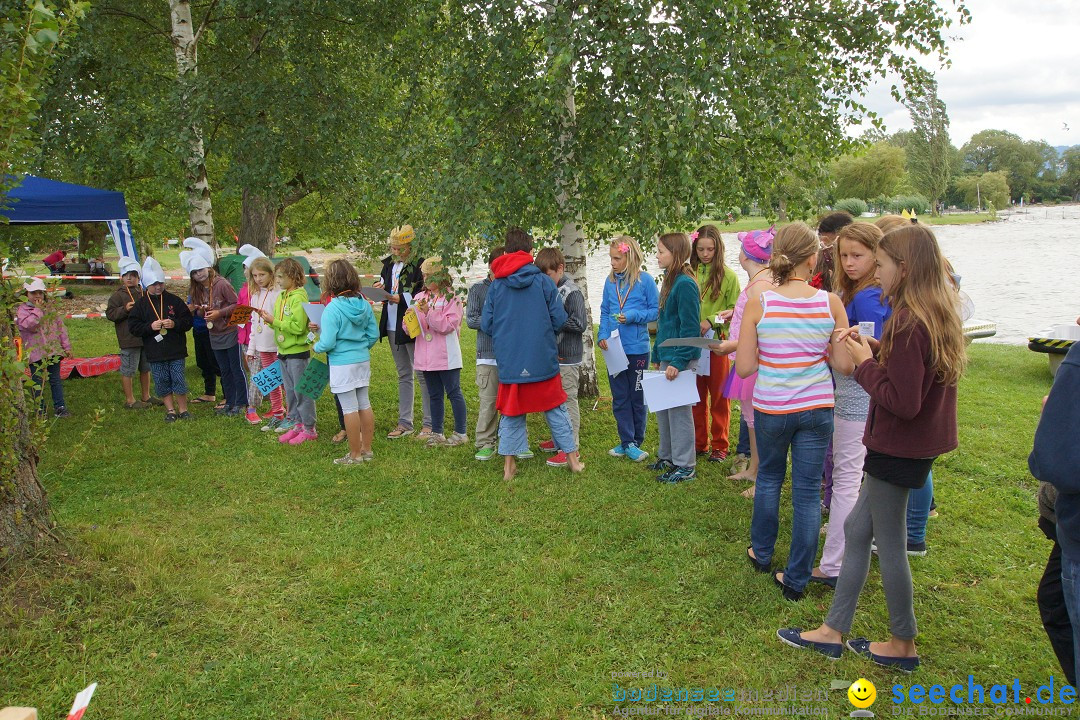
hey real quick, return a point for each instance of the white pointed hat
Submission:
(199, 256)
(250, 252)
(127, 265)
(152, 272)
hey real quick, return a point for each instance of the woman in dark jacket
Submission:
(401, 277)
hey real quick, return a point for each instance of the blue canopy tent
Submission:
(37, 201)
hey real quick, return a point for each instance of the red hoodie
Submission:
(506, 265)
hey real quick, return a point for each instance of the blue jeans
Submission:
(449, 382)
(918, 510)
(1070, 586)
(807, 433)
(628, 400)
(233, 381)
(743, 447)
(514, 434)
(56, 386)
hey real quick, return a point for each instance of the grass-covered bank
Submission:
(210, 572)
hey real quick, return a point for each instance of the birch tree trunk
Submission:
(185, 45)
(572, 242)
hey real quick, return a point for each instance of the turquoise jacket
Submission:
(348, 331)
(679, 318)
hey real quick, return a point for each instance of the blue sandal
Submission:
(793, 637)
(861, 646)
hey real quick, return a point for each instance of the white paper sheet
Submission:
(314, 312)
(374, 294)
(664, 394)
(703, 366)
(615, 356)
(699, 342)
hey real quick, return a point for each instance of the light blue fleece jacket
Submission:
(348, 331)
(642, 306)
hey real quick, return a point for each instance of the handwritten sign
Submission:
(268, 378)
(241, 314)
(314, 380)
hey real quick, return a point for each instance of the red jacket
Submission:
(912, 413)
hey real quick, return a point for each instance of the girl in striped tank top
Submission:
(787, 338)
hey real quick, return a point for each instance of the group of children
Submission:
(861, 381)
(846, 345)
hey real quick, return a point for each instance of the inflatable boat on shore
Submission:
(976, 329)
(1055, 343)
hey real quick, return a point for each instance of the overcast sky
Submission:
(1014, 67)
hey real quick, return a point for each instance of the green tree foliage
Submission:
(31, 32)
(678, 105)
(1070, 177)
(853, 206)
(989, 187)
(877, 171)
(293, 99)
(929, 150)
(1029, 165)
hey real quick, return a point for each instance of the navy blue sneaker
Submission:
(793, 637)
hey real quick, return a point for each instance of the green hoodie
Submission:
(290, 322)
(729, 294)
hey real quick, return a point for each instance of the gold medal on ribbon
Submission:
(209, 324)
(163, 332)
(281, 337)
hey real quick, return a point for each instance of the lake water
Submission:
(1005, 267)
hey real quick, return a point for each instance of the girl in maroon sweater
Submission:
(912, 387)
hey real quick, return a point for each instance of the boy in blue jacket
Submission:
(522, 314)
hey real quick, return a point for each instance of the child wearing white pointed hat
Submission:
(45, 341)
(162, 320)
(132, 357)
(215, 300)
(200, 334)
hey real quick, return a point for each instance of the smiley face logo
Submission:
(862, 693)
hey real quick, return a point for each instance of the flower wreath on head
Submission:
(624, 248)
(694, 236)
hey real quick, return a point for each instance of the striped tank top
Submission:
(793, 340)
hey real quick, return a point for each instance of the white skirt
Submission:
(349, 377)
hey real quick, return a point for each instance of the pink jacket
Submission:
(438, 346)
(42, 336)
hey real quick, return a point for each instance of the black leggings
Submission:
(204, 358)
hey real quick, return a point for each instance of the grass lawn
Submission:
(209, 572)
